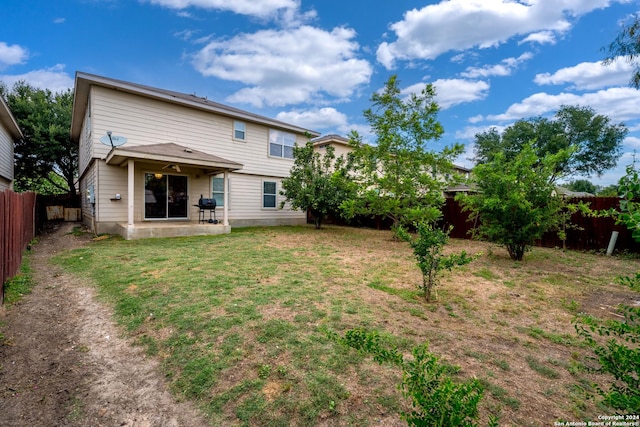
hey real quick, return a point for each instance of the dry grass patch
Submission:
(240, 321)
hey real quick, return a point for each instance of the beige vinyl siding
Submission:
(146, 121)
(85, 150)
(112, 180)
(246, 203)
(341, 150)
(6, 156)
(88, 179)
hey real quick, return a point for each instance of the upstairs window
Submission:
(239, 131)
(281, 144)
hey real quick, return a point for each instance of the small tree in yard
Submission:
(399, 177)
(319, 184)
(427, 247)
(515, 202)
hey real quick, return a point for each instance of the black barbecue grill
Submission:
(206, 205)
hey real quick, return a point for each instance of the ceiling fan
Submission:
(172, 166)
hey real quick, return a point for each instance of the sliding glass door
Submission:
(165, 196)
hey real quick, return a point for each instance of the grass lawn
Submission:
(239, 322)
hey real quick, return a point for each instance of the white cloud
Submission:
(589, 75)
(262, 8)
(632, 142)
(476, 119)
(470, 132)
(542, 37)
(59, 20)
(450, 92)
(504, 68)
(619, 104)
(612, 176)
(466, 159)
(463, 24)
(55, 79)
(279, 69)
(186, 35)
(12, 54)
(323, 118)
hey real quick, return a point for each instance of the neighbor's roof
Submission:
(84, 81)
(8, 121)
(330, 138)
(563, 191)
(170, 153)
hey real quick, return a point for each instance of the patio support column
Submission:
(130, 191)
(225, 209)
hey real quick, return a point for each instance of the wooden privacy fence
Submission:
(587, 234)
(17, 229)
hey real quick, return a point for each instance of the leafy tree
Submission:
(582, 185)
(594, 143)
(427, 247)
(608, 191)
(46, 153)
(627, 45)
(317, 183)
(398, 177)
(44, 186)
(515, 203)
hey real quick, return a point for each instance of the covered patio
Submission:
(148, 214)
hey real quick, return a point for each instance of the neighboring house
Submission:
(9, 132)
(339, 143)
(146, 156)
(565, 192)
(463, 187)
(342, 148)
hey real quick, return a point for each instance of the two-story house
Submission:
(147, 155)
(9, 132)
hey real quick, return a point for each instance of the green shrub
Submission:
(427, 247)
(437, 400)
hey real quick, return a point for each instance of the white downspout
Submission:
(130, 192)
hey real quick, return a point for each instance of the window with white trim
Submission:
(269, 194)
(239, 130)
(281, 144)
(217, 190)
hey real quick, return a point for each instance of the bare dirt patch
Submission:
(64, 363)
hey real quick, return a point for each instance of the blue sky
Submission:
(316, 63)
